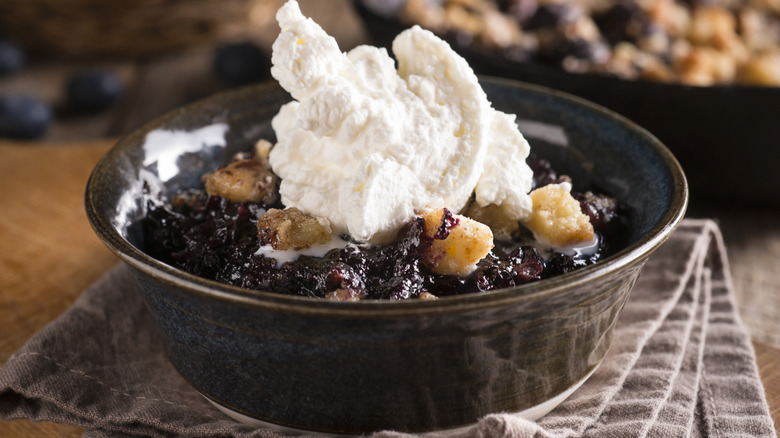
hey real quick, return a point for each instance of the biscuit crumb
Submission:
(343, 295)
(263, 149)
(495, 217)
(458, 242)
(243, 180)
(291, 229)
(557, 217)
(427, 296)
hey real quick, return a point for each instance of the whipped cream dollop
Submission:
(368, 146)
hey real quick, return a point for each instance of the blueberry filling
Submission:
(208, 236)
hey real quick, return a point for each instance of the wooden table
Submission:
(49, 254)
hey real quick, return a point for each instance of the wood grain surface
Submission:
(49, 254)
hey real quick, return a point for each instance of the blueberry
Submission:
(553, 15)
(493, 277)
(544, 174)
(521, 10)
(23, 117)
(458, 37)
(518, 53)
(241, 64)
(93, 90)
(11, 57)
(559, 47)
(526, 265)
(697, 3)
(595, 51)
(621, 22)
(558, 264)
(385, 8)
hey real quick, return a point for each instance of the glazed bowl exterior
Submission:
(414, 366)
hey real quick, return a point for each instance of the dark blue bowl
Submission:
(413, 366)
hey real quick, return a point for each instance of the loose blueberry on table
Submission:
(12, 58)
(23, 117)
(93, 91)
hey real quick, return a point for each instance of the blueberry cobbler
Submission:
(236, 231)
(383, 182)
(696, 42)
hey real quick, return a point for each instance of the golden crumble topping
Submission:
(458, 242)
(242, 180)
(291, 229)
(557, 217)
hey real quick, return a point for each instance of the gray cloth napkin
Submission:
(680, 364)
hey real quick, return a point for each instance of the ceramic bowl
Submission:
(356, 367)
(725, 137)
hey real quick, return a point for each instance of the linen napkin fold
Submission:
(680, 364)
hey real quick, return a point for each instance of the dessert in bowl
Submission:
(356, 366)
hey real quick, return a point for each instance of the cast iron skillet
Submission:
(727, 138)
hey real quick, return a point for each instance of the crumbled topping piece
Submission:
(670, 16)
(706, 66)
(243, 180)
(458, 242)
(761, 70)
(263, 149)
(427, 296)
(343, 295)
(715, 27)
(500, 30)
(495, 217)
(292, 229)
(418, 11)
(557, 217)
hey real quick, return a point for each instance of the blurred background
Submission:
(103, 68)
(704, 76)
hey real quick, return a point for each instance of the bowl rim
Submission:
(633, 254)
